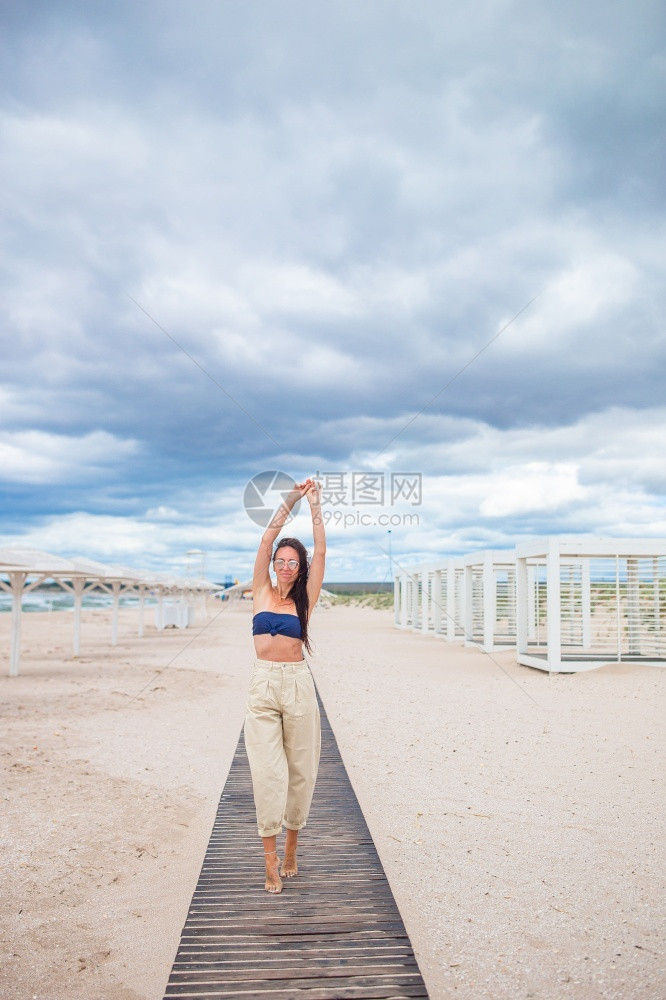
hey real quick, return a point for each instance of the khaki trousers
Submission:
(283, 743)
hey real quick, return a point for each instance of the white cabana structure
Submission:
(489, 597)
(407, 596)
(467, 599)
(566, 603)
(582, 602)
(454, 596)
(431, 598)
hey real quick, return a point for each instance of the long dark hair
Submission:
(299, 588)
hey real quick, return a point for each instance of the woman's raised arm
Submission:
(318, 561)
(261, 577)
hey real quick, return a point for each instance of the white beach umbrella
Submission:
(18, 564)
(94, 576)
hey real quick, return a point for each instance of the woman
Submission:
(282, 729)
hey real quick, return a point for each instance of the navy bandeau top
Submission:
(272, 623)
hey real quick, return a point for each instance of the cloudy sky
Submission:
(389, 237)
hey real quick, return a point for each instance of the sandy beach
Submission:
(519, 817)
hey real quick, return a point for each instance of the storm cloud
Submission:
(286, 236)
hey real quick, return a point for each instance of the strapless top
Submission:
(272, 623)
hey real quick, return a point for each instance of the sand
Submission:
(519, 817)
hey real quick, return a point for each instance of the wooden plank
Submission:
(361, 987)
(303, 974)
(334, 933)
(360, 992)
(292, 961)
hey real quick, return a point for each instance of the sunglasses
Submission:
(291, 563)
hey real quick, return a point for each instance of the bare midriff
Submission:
(278, 648)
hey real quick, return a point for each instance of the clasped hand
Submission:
(311, 490)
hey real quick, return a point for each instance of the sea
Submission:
(56, 599)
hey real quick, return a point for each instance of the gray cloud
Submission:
(332, 209)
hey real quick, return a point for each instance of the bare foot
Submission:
(289, 865)
(273, 881)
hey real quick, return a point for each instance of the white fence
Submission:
(566, 603)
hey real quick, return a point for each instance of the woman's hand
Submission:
(303, 488)
(311, 490)
(314, 494)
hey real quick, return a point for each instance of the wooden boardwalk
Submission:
(333, 933)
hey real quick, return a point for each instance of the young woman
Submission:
(282, 728)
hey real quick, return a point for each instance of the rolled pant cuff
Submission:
(272, 832)
(294, 826)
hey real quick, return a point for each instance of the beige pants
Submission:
(283, 742)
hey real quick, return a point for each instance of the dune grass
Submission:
(379, 601)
